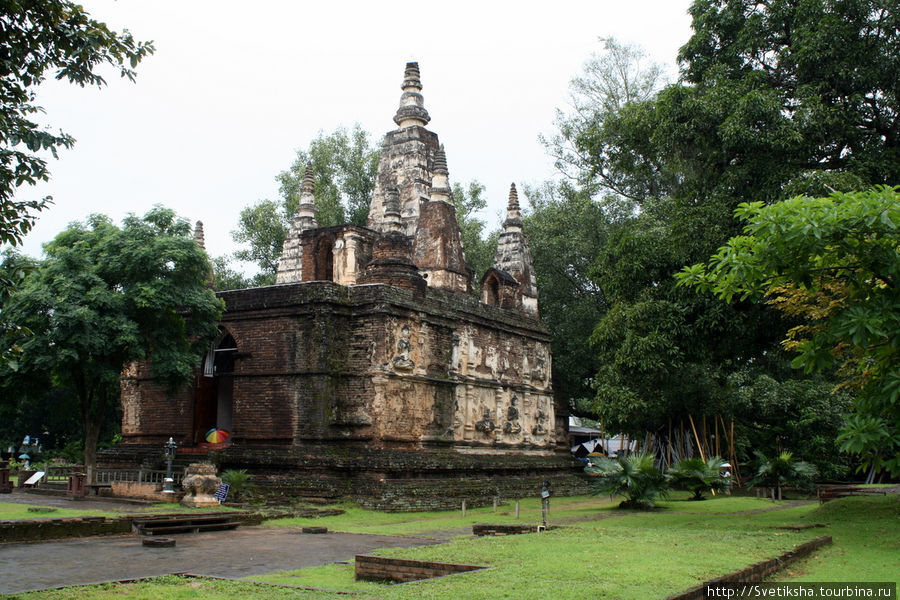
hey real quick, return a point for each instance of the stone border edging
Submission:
(58, 528)
(403, 570)
(757, 571)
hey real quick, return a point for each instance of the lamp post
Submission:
(168, 484)
(545, 502)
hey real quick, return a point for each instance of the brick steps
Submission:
(169, 524)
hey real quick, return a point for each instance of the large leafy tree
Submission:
(835, 262)
(106, 296)
(776, 98)
(566, 231)
(42, 37)
(618, 75)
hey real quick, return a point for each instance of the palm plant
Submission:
(782, 471)
(697, 475)
(635, 477)
(239, 482)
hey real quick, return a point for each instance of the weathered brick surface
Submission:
(372, 343)
(380, 568)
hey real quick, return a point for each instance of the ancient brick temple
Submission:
(370, 369)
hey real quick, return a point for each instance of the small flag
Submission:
(222, 492)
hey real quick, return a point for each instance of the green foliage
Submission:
(479, 249)
(783, 471)
(698, 476)
(106, 296)
(14, 267)
(240, 482)
(566, 231)
(344, 165)
(610, 80)
(775, 98)
(775, 409)
(59, 37)
(833, 261)
(634, 476)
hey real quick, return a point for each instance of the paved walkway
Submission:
(19, 497)
(245, 551)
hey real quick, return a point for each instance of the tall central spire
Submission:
(407, 158)
(412, 106)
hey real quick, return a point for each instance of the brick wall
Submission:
(379, 568)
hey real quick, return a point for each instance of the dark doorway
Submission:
(215, 389)
(325, 260)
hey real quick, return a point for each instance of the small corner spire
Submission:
(307, 206)
(412, 106)
(513, 214)
(440, 181)
(198, 235)
(309, 184)
(392, 210)
(440, 161)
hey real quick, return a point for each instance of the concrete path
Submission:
(240, 553)
(20, 497)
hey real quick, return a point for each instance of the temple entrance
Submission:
(215, 390)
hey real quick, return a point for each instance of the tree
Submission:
(776, 409)
(479, 249)
(619, 75)
(762, 110)
(107, 296)
(567, 231)
(633, 476)
(60, 37)
(344, 166)
(782, 471)
(699, 476)
(834, 261)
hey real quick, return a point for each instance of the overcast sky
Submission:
(235, 88)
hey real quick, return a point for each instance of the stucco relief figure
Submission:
(454, 357)
(539, 428)
(512, 425)
(402, 361)
(539, 372)
(485, 425)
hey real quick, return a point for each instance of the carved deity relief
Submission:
(512, 425)
(485, 425)
(541, 418)
(402, 361)
(539, 372)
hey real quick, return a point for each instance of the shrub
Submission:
(635, 477)
(782, 471)
(699, 476)
(239, 481)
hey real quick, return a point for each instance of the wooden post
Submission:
(697, 437)
(517, 509)
(463, 508)
(495, 503)
(716, 423)
(669, 443)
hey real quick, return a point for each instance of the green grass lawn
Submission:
(866, 532)
(598, 552)
(9, 510)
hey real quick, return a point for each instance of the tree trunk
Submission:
(91, 435)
